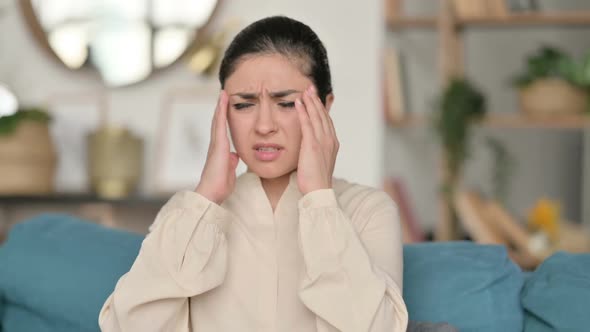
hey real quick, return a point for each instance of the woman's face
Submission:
(263, 122)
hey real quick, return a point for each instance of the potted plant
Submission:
(27, 153)
(554, 84)
(460, 106)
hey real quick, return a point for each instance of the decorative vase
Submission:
(115, 159)
(27, 160)
(552, 97)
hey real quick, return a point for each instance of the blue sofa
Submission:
(56, 271)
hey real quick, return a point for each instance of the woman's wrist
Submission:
(208, 195)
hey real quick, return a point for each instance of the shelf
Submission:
(411, 22)
(581, 18)
(408, 121)
(82, 198)
(521, 121)
(561, 18)
(508, 120)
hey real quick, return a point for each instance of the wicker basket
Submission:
(552, 97)
(27, 160)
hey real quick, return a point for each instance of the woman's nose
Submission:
(265, 123)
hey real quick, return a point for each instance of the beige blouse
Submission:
(327, 261)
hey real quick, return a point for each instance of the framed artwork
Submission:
(183, 138)
(74, 116)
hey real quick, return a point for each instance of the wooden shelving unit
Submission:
(506, 120)
(398, 23)
(531, 19)
(522, 122)
(395, 22)
(82, 198)
(449, 27)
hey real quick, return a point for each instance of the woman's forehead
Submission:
(272, 73)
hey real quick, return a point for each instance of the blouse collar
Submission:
(249, 186)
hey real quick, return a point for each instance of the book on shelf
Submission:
(393, 78)
(470, 8)
(393, 7)
(488, 222)
(470, 210)
(510, 227)
(497, 8)
(411, 229)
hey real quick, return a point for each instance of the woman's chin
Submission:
(269, 171)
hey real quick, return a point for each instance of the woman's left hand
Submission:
(319, 145)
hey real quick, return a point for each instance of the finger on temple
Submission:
(214, 120)
(323, 114)
(221, 130)
(306, 127)
(314, 116)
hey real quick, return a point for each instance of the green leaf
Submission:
(8, 124)
(460, 106)
(585, 72)
(547, 62)
(568, 69)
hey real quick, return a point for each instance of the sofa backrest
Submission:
(56, 271)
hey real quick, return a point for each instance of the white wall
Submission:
(352, 37)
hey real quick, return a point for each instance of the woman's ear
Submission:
(329, 101)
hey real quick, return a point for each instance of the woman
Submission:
(284, 246)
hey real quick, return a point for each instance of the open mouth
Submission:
(268, 149)
(267, 152)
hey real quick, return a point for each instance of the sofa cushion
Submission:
(429, 327)
(56, 271)
(472, 287)
(1, 310)
(557, 296)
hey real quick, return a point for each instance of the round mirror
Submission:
(8, 102)
(124, 40)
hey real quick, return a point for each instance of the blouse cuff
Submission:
(200, 205)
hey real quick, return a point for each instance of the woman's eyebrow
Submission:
(281, 94)
(274, 94)
(245, 95)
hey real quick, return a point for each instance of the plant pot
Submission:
(552, 97)
(115, 159)
(27, 160)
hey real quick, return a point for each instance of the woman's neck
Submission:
(274, 188)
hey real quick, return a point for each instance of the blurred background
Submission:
(472, 114)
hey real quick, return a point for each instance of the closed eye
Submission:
(240, 106)
(287, 104)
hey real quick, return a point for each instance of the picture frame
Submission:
(74, 115)
(183, 138)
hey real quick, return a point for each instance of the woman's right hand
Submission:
(219, 174)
